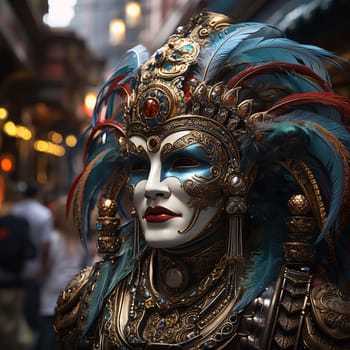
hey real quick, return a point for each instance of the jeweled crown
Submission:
(166, 87)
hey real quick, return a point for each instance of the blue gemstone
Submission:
(168, 66)
(188, 47)
(175, 55)
(99, 226)
(159, 55)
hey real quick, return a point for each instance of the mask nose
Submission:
(155, 187)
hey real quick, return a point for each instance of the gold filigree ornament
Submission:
(156, 102)
(167, 88)
(107, 223)
(172, 60)
(331, 310)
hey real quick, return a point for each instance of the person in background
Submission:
(66, 257)
(16, 248)
(40, 221)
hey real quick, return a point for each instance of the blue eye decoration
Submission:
(139, 167)
(186, 163)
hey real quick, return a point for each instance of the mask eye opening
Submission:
(184, 163)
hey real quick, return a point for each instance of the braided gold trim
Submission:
(306, 179)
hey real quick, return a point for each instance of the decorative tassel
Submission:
(236, 208)
(235, 246)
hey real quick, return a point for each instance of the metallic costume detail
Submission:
(183, 320)
(107, 224)
(316, 338)
(331, 310)
(292, 294)
(159, 101)
(68, 310)
(245, 328)
(254, 320)
(306, 179)
(290, 303)
(153, 143)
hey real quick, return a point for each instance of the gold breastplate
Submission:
(137, 319)
(202, 318)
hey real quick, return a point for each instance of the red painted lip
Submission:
(159, 214)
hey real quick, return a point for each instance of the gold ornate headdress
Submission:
(166, 88)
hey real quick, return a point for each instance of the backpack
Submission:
(16, 245)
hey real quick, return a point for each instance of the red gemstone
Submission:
(153, 143)
(150, 108)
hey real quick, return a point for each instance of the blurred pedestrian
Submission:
(66, 258)
(41, 225)
(16, 248)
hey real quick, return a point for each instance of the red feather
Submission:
(342, 104)
(72, 191)
(114, 84)
(278, 66)
(104, 125)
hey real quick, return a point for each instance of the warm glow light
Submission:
(117, 31)
(41, 146)
(19, 131)
(55, 137)
(132, 14)
(6, 164)
(10, 129)
(3, 113)
(24, 133)
(49, 147)
(90, 100)
(71, 140)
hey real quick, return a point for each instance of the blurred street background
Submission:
(54, 55)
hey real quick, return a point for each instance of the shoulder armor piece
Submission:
(327, 325)
(68, 302)
(331, 310)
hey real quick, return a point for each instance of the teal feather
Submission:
(111, 274)
(265, 264)
(126, 261)
(132, 59)
(102, 166)
(261, 50)
(329, 119)
(268, 198)
(213, 57)
(320, 147)
(123, 74)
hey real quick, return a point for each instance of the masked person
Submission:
(220, 166)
